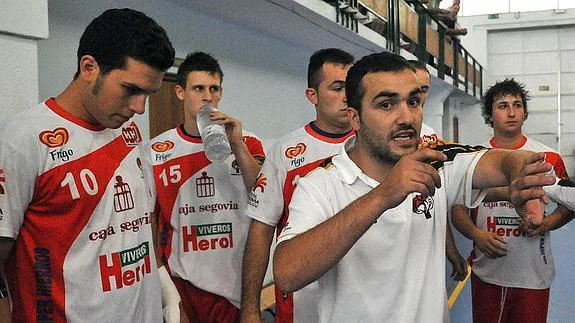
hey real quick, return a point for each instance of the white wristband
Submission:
(170, 297)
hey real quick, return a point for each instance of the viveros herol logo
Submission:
(126, 267)
(207, 237)
(295, 154)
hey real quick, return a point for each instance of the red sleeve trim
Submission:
(558, 164)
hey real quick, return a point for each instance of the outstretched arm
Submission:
(524, 172)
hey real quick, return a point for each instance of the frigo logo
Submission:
(297, 150)
(163, 146)
(54, 138)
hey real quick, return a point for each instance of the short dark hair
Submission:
(419, 65)
(198, 61)
(378, 62)
(322, 56)
(121, 33)
(499, 89)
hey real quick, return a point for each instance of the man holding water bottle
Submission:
(201, 198)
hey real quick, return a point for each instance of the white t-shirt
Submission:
(396, 271)
(202, 212)
(529, 260)
(75, 199)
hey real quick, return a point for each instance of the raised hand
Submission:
(233, 126)
(525, 191)
(413, 173)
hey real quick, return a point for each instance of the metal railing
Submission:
(409, 25)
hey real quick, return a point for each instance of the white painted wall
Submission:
(19, 77)
(28, 18)
(478, 26)
(21, 24)
(531, 47)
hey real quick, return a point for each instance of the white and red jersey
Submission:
(395, 272)
(427, 134)
(75, 200)
(529, 261)
(289, 159)
(202, 212)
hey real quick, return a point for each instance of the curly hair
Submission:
(499, 89)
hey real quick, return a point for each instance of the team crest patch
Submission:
(428, 138)
(261, 183)
(131, 135)
(422, 206)
(54, 138)
(205, 186)
(123, 199)
(162, 146)
(292, 152)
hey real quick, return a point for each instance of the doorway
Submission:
(166, 110)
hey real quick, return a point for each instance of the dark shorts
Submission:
(205, 307)
(490, 302)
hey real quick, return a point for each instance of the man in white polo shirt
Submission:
(370, 224)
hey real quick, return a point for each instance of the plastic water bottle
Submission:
(216, 145)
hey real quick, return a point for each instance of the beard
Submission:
(377, 145)
(97, 85)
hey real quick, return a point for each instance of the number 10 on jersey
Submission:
(87, 179)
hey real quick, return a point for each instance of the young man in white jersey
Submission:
(370, 225)
(512, 267)
(76, 212)
(428, 135)
(291, 157)
(203, 225)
